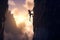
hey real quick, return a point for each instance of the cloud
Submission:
(15, 33)
(11, 2)
(8, 36)
(15, 11)
(29, 4)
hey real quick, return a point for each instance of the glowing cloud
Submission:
(11, 2)
(15, 11)
(29, 4)
(21, 17)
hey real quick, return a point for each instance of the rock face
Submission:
(3, 8)
(46, 19)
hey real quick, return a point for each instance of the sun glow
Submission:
(23, 23)
(22, 19)
(19, 19)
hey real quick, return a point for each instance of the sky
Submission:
(19, 8)
(21, 4)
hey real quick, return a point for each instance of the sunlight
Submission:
(19, 19)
